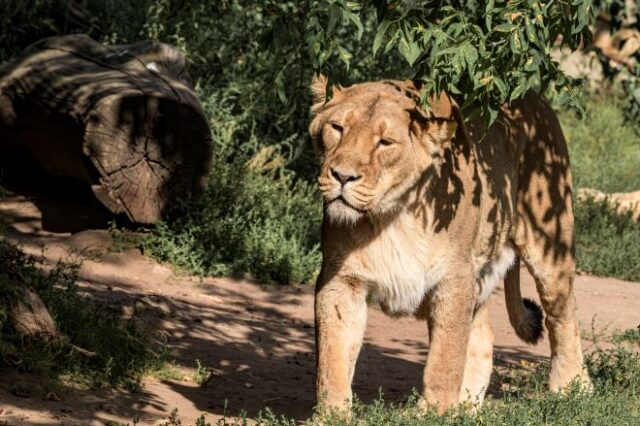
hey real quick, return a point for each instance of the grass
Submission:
(604, 148)
(607, 243)
(605, 154)
(95, 348)
(615, 373)
(202, 375)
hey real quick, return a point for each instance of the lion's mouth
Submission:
(344, 202)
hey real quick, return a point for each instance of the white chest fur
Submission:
(400, 268)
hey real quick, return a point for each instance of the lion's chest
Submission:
(402, 264)
(400, 267)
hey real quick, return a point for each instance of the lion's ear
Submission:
(319, 88)
(441, 130)
(319, 91)
(442, 127)
(442, 106)
(439, 124)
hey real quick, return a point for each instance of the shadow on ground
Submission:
(258, 340)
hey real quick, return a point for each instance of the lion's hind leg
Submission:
(544, 238)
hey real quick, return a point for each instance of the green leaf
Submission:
(345, 56)
(410, 50)
(470, 56)
(335, 17)
(518, 92)
(279, 86)
(501, 87)
(356, 21)
(380, 35)
(505, 28)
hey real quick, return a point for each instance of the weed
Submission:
(169, 371)
(202, 375)
(631, 335)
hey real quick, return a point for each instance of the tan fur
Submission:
(429, 220)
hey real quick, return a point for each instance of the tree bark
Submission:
(29, 315)
(122, 118)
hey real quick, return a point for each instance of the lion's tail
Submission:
(525, 315)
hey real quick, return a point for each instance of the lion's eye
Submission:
(337, 127)
(385, 142)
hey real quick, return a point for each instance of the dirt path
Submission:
(257, 339)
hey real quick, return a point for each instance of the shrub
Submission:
(606, 242)
(254, 216)
(96, 347)
(604, 148)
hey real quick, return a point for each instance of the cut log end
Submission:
(147, 153)
(122, 118)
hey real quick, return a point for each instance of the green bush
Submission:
(605, 153)
(604, 148)
(254, 216)
(96, 346)
(606, 242)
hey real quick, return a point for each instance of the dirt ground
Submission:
(257, 339)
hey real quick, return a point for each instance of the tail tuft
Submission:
(530, 328)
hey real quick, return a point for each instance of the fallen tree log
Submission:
(621, 202)
(122, 118)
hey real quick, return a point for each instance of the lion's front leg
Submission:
(450, 317)
(341, 317)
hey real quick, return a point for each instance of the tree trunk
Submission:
(123, 118)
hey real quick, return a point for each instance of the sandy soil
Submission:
(257, 339)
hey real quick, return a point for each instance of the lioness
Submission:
(428, 218)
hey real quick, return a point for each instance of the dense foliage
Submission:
(486, 53)
(254, 216)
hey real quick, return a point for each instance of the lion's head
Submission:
(374, 142)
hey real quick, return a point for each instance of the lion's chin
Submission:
(341, 213)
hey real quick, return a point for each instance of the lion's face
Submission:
(374, 143)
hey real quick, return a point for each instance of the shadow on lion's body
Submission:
(422, 213)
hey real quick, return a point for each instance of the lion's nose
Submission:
(343, 176)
